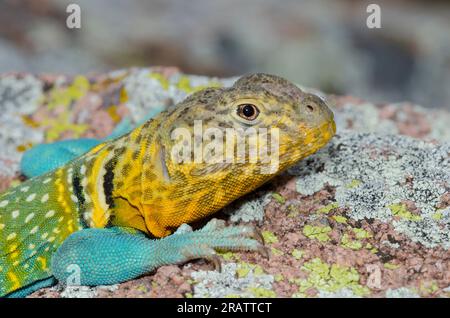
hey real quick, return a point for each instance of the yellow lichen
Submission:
(161, 79)
(260, 292)
(332, 278)
(269, 237)
(278, 277)
(112, 111)
(276, 251)
(340, 219)
(317, 232)
(361, 234)
(400, 210)
(428, 287)
(279, 198)
(184, 84)
(437, 215)
(61, 98)
(348, 242)
(228, 255)
(391, 266)
(327, 209)
(297, 254)
(354, 184)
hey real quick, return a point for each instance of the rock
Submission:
(377, 195)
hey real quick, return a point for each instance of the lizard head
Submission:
(262, 122)
(221, 143)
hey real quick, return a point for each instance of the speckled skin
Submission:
(99, 210)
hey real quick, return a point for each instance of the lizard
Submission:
(112, 211)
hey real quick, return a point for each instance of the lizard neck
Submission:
(110, 172)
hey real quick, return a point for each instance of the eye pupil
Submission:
(248, 111)
(311, 108)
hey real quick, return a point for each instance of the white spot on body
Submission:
(15, 214)
(25, 189)
(44, 198)
(29, 217)
(47, 180)
(83, 169)
(74, 198)
(11, 236)
(49, 214)
(34, 229)
(4, 203)
(31, 197)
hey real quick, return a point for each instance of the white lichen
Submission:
(85, 291)
(341, 293)
(227, 283)
(19, 96)
(250, 208)
(402, 292)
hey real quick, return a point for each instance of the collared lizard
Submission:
(112, 210)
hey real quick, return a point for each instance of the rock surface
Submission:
(367, 216)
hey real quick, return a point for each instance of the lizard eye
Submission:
(248, 111)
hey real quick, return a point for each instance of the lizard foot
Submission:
(214, 237)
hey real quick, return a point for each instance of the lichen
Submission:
(297, 254)
(279, 198)
(354, 239)
(392, 170)
(276, 252)
(249, 208)
(427, 288)
(391, 266)
(328, 208)
(319, 233)
(146, 93)
(331, 278)
(236, 280)
(348, 242)
(401, 211)
(340, 219)
(363, 118)
(402, 292)
(269, 237)
(20, 96)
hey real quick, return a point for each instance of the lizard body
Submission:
(112, 209)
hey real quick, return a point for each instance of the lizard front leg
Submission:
(114, 255)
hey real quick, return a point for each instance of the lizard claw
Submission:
(215, 259)
(258, 236)
(264, 251)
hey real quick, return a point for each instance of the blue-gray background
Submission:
(317, 43)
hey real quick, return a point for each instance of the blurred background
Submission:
(320, 44)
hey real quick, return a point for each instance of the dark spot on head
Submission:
(135, 154)
(126, 169)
